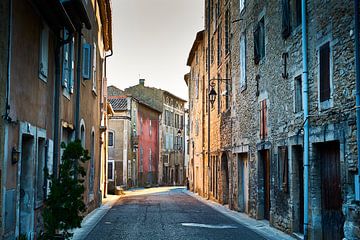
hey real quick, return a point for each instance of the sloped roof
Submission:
(119, 103)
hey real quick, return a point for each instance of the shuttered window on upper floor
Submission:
(68, 63)
(44, 53)
(259, 41)
(86, 61)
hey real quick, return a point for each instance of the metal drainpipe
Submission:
(208, 96)
(78, 83)
(107, 123)
(357, 69)
(57, 107)
(9, 57)
(306, 120)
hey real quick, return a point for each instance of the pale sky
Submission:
(152, 39)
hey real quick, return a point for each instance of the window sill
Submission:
(66, 94)
(325, 105)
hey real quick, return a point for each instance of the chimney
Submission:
(142, 81)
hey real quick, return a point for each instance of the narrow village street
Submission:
(167, 213)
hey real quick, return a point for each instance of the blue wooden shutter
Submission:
(86, 64)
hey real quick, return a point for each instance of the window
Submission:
(242, 5)
(110, 139)
(242, 62)
(141, 159)
(283, 168)
(298, 94)
(263, 120)
(325, 72)
(68, 64)
(219, 50)
(286, 28)
(181, 122)
(219, 94)
(150, 160)
(227, 95)
(212, 51)
(177, 125)
(197, 127)
(259, 41)
(94, 68)
(44, 53)
(82, 135)
(297, 18)
(86, 61)
(197, 86)
(111, 170)
(227, 32)
(150, 128)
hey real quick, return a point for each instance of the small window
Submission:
(227, 32)
(286, 28)
(219, 49)
(259, 42)
(283, 167)
(242, 62)
(111, 170)
(86, 61)
(110, 139)
(325, 90)
(298, 94)
(297, 18)
(44, 54)
(150, 160)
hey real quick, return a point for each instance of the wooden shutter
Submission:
(86, 61)
(286, 28)
(325, 72)
(44, 53)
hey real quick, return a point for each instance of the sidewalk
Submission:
(90, 221)
(260, 226)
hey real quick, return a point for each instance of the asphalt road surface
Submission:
(166, 213)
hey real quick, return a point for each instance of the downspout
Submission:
(9, 57)
(306, 120)
(57, 107)
(78, 83)
(357, 69)
(208, 96)
(6, 117)
(107, 123)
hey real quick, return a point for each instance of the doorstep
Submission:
(262, 227)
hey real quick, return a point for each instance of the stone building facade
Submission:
(171, 130)
(265, 176)
(53, 90)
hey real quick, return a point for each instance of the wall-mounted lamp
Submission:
(15, 155)
(212, 95)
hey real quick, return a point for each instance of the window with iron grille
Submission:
(110, 139)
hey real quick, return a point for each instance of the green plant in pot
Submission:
(64, 207)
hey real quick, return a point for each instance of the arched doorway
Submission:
(225, 178)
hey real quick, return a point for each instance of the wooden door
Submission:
(265, 157)
(332, 218)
